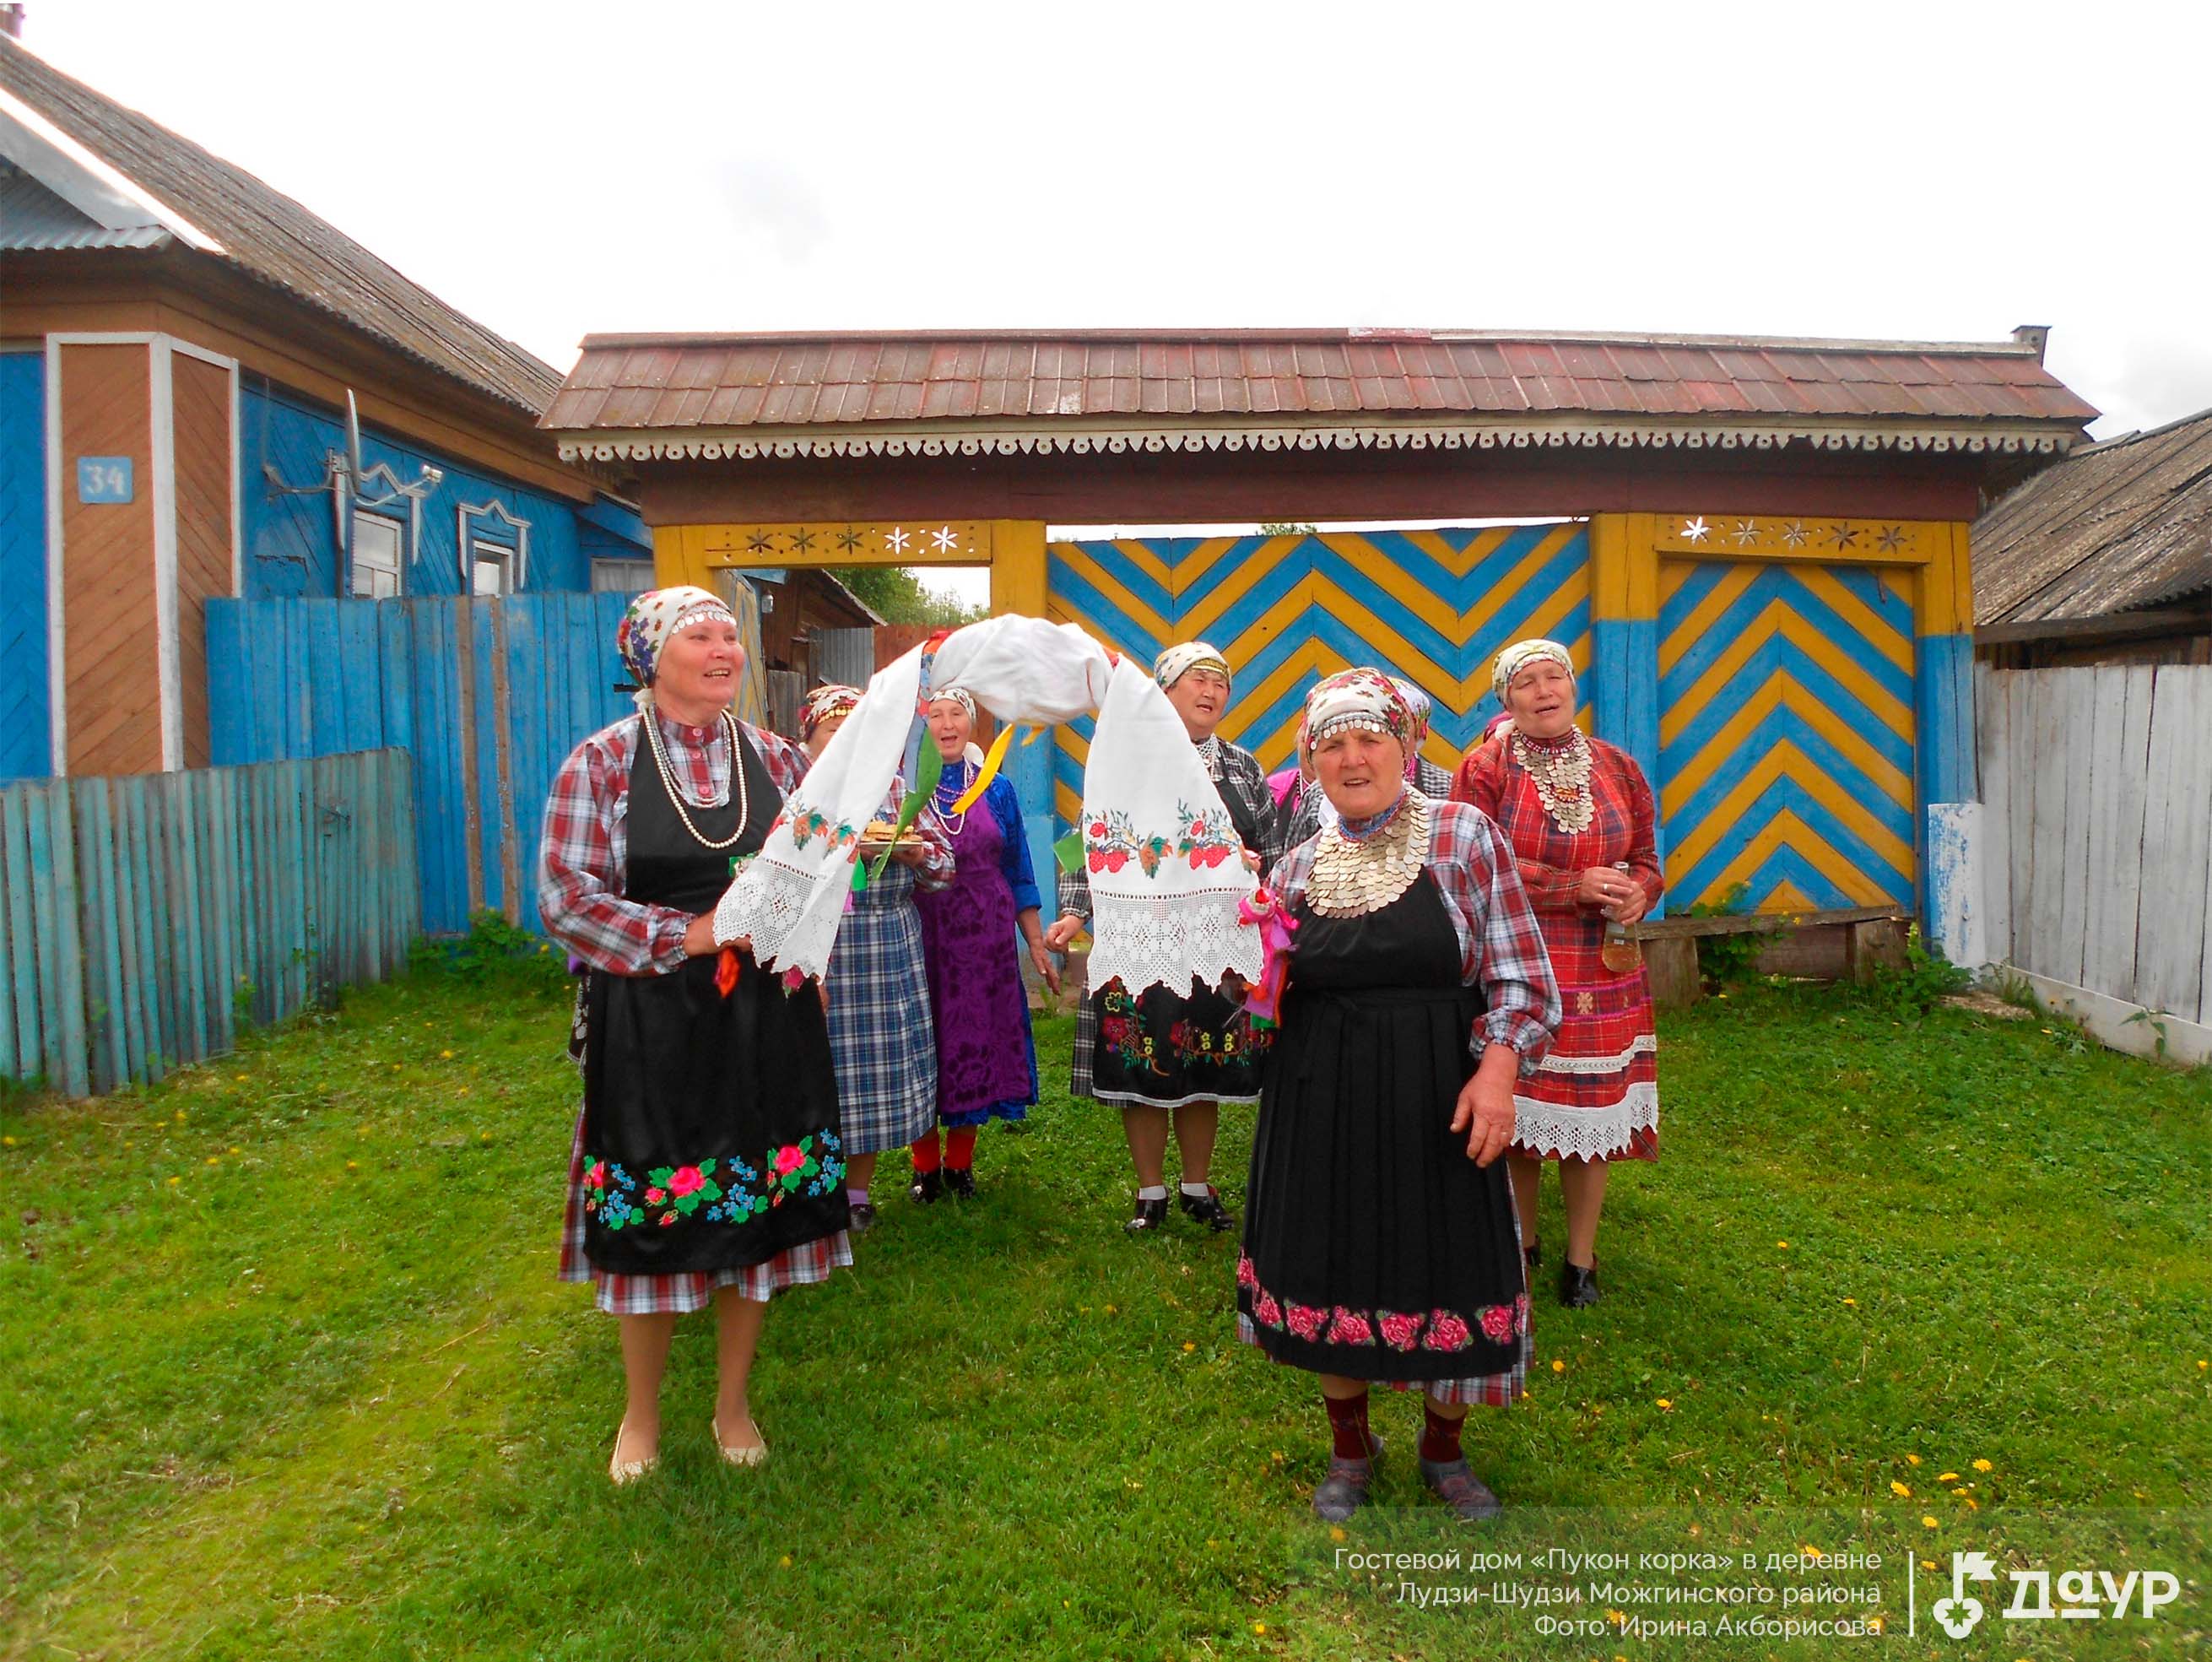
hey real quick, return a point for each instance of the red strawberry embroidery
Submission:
(1098, 860)
(1116, 860)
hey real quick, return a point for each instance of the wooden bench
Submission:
(1849, 944)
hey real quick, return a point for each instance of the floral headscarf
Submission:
(653, 616)
(1178, 662)
(1420, 703)
(824, 704)
(1363, 698)
(1521, 653)
(959, 696)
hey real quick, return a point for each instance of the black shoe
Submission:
(926, 1187)
(864, 1218)
(1533, 1254)
(1467, 1494)
(961, 1180)
(1150, 1214)
(1578, 1285)
(1208, 1210)
(1343, 1490)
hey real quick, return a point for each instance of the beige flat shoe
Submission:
(754, 1456)
(620, 1471)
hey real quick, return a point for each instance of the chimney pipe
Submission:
(2037, 335)
(11, 18)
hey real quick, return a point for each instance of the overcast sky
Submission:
(1932, 171)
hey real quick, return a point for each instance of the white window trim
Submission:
(492, 513)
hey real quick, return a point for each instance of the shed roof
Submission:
(136, 183)
(656, 389)
(2116, 526)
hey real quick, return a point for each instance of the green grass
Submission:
(287, 1373)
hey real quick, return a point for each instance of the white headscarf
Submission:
(1521, 653)
(1178, 662)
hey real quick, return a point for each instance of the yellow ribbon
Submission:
(989, 771)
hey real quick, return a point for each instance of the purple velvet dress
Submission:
(971, 947)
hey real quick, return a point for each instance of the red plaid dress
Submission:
(579, 895)
(1596, 1093)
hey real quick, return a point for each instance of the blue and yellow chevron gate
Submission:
(1431, 605)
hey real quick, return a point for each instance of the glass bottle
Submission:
(1620, 953)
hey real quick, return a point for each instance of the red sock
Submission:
(1347, 1424)
(925, 1157)
(960, 1148)
(1439, 1436)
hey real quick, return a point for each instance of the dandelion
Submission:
(1874, 1621)
(483, 1136)
(1946, 1476)
(1853, 1303)
(353, 1166)
(1973, 1505)
(1558, 1366)
(180, 1114)
(1912, 1459)
(1188, 1346)
(1259, 1627)
(1664, 1403)
(174, 1182)
(1336, 1532)
(236, 1150)
(1813, 1552)
(2201, 1363)
(9, 1142)
(784, 1562)
(1981, 1465)
(1899, 1490)
(1111, 1311)
(214, 1159)
(1927, 1522)
(445, 1055)
(1784, 1245)
(241, 1078)
(1928, 1563)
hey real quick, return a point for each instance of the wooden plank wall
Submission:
(111, 689)
(2098, 783)
(140, 916)
(25, 728)
(489, 696)
(202, 398)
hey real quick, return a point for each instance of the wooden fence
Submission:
(488, 696)
(144, 915)
(2097, 873)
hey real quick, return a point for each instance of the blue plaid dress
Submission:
(880, 1031)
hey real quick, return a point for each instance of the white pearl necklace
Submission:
(675, 794)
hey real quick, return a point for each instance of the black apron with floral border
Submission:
(710, 1123)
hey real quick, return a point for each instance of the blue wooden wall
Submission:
(489, 696)
(291, 541)
(26, 738)
(141, 918)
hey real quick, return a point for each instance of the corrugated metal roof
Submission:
(32, 217)
(274, 240)
(2117, 526)
(637, 382)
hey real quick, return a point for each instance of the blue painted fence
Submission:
(140, 916)
(488, 696)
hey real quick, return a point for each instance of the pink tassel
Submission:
(1275, 924)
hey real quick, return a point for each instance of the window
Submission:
(491, 570)
(380, 555)
(619, 576)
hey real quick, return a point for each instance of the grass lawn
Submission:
(287, 1373)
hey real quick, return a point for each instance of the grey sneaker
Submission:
(1343, 1490)
(1467, 1494)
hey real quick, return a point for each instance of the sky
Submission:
(1934, 171)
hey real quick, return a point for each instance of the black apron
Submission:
(1374, 1247)
(710, 1123)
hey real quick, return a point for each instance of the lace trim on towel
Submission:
(1165, 941)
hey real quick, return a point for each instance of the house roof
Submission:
(2115, 527)
(92, 174)
(744, 395)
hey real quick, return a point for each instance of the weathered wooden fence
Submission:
(2097, 784)
(143, 916)
(489, 696)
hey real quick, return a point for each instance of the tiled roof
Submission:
(229, 214)
(2119, 526)
(1150, 378)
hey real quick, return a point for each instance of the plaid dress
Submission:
(880, 1029)
(579, 894)
(1596, 1096)
(1235, 773)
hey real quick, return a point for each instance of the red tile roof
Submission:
(1035, 379)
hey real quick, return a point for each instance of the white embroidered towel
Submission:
(1166, 866)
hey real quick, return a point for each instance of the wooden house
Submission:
(178, 342)
(2106, 558)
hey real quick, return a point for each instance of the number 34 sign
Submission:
(103, 478)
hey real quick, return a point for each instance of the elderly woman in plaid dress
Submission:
(708, 1165)
(880, 1029)
(1167, 1053)
(1303, 807)
(1380, 1236)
